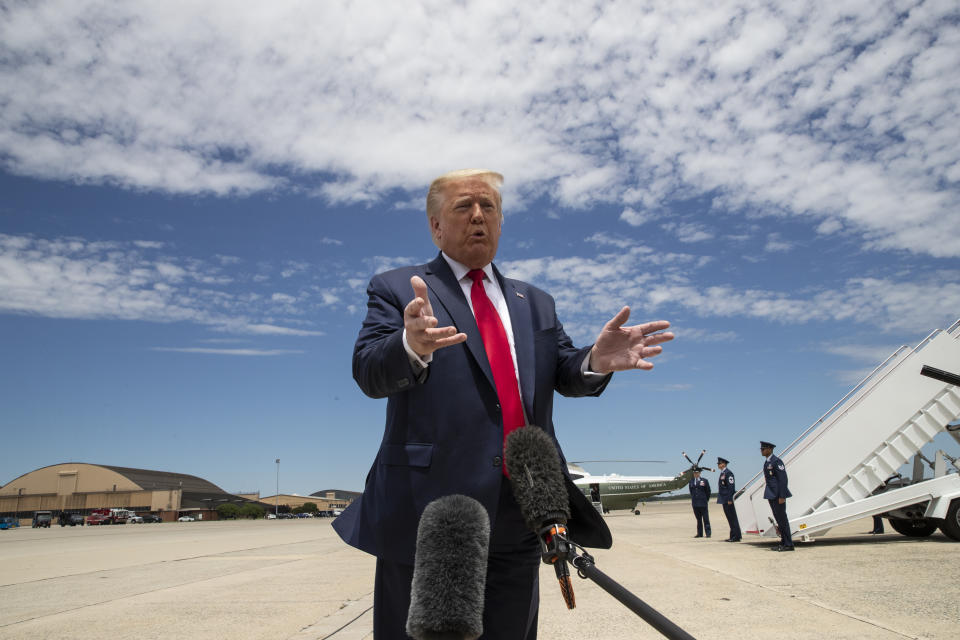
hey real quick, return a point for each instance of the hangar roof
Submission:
(101, 477)
(148, 480)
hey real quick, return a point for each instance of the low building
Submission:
(336, 498)
(326, 500)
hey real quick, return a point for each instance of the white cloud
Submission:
(293, 268)
(230, 352)
(589, 290)
(829, 226)
(635, 218)
(688, 231)
(602, 238)
(864, 353)
(74, 278)
(704, 335)
(843, 113)
(267, 329)
(776, 244)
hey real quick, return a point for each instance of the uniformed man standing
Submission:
(726, 487)
(700, 498)
(776, 493)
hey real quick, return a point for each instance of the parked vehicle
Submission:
(271, 516)
(72, 519)
(150, 517)
(109, 516)
(9, 523)
(122, 516)
(42, 519)
(100, 516)
(186, 519)
(135, 519)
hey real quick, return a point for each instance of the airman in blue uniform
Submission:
(700, 498)
(776, 493)
(726, 487)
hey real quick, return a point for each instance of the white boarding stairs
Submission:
(835, 465)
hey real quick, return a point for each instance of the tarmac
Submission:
(295, 579)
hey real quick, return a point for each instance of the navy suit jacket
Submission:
(726, 486)
(699, 491)
(444, 432)
(775, 475)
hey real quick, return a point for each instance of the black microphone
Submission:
(450, 570)
(535, 473)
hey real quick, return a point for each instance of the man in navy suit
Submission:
(700, 500)
(421, 348)
(726, 487)
(776, 493)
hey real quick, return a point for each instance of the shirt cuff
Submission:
(415, 358)
(587, 373)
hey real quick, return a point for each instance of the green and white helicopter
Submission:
(614, 492)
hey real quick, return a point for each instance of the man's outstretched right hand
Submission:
(423, 335)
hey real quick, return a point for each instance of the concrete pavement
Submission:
(295, 579)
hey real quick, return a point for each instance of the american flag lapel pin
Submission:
(519, 295)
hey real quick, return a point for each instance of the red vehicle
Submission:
(109, 516)
(100, 516)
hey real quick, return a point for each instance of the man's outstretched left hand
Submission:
(619, 348)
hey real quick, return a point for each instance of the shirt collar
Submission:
(460, 270)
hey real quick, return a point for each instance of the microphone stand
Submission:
(557, 548)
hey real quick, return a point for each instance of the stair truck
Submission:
(842, 467)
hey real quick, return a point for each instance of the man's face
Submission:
(766, 451)
(721, 465)
(468, 226)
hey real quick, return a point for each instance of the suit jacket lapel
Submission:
(522, 321)
(446, 291)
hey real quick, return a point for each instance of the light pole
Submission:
(276, 511)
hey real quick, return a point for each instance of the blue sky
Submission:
(195, 196)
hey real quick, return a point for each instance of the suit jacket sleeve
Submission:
(381, 366)
(782, 490)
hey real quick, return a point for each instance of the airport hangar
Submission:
(78, 487)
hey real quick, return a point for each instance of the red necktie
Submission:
(498, 353)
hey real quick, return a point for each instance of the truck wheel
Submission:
(913, 528)
(951, 525)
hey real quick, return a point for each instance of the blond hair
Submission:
(436, 197)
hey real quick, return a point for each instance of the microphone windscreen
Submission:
(450, 570)
(537, 477)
